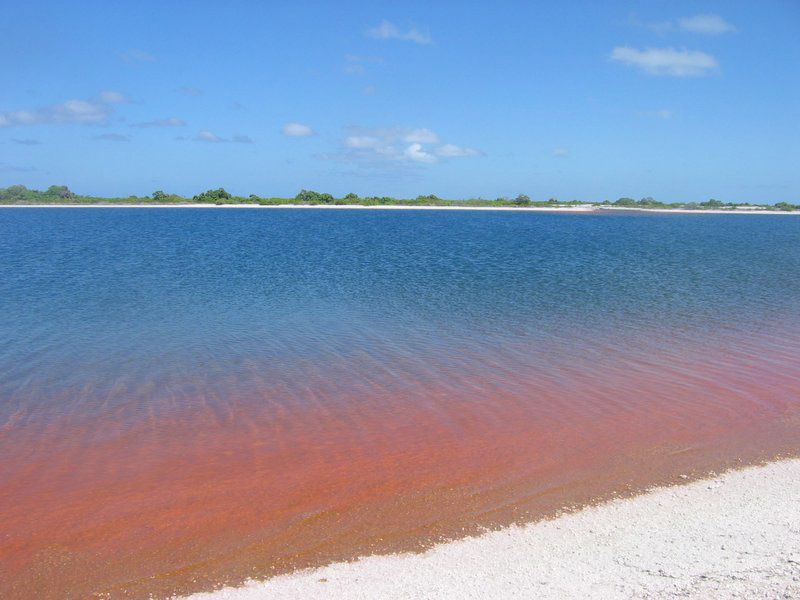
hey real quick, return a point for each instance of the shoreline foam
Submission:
(735, 535)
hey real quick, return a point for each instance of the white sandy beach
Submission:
(734, 536)
(582, 208)
(705, 211)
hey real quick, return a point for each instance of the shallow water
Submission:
(191, 396)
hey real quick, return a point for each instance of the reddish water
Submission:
(109, 504)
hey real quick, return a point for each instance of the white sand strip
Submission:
(581, 208)
(735, 536)
(744, 210)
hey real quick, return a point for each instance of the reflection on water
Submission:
(190, 397)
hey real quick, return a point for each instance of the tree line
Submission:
(61, 194)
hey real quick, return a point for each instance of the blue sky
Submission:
(573, 100)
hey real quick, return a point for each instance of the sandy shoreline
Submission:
(690, 211)
(736, 535)
(584, 208)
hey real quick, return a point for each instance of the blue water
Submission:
(95, 297)
(188, 396)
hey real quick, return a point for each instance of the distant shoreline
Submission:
(581, 209)
(585, 208)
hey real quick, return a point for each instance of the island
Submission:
(61, 195)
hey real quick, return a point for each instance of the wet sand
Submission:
(732, 536)
(258, 486)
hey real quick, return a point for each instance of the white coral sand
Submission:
(734, 536)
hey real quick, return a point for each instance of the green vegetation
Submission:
(19, 194)
(711, 204)
(218, 196)
(522, 200)
(61, 194)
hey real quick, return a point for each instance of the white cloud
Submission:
(453, 151)
(422, 136)
(213, 138)
(17, 117)
(71, 111)
(79, 111)
(168, 122)
(354, 69)
(666, 61)
(706, 24)
(395, 145)
(560, 152)
(296, 130)
(361, 141)
(417, 154)
(662, 113)
(389, 31)
(111, 97)
(207, 136)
